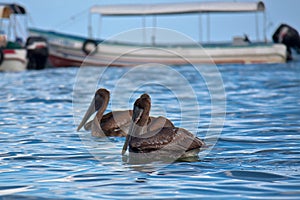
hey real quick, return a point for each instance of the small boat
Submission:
(163, 142)
(71, 50)
(14, 54)
(115, 123)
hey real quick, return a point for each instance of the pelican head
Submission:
(141, 110)
(98, 104)
(140, 116)
(146, 96)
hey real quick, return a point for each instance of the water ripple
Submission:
(256, 156)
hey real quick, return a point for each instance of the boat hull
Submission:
(117, 57)
(14, 60)
(67, 51)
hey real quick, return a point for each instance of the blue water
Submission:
(256, 156)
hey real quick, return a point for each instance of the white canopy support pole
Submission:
(257, 26)
(26, 26)
(1, 25)
(153, 30)
(9, 29)
(200, 27)
(208, 28)
(90, 31)
(15, 26)
(144, 29)
(265, 27)
(99, 27)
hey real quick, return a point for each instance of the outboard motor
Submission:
(37, 52)
(289, 36)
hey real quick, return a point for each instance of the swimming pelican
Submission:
(170, 140)
(115, 123)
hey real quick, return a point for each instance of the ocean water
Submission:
(256, 155)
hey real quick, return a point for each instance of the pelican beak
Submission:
(136, 115)
(124, 149)
(90, 111)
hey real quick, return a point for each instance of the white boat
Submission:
(14, 60)
(14, 55)
(70, 50)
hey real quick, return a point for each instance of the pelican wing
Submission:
(168, 139)
(187, 140)
(157, 123)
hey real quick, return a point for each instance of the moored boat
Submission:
(70, 50)
(14, 54)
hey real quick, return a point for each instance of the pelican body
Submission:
(165, 140)
(115, 123)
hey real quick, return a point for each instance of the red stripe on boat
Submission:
(9, 51)
(40, 46)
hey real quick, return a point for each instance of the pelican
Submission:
(170, 140)
(115, 123)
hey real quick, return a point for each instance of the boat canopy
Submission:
(177, 8)
(7, 9)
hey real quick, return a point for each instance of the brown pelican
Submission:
(115, 123)
(170, 140)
